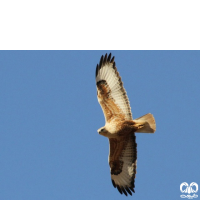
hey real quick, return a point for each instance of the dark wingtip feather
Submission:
(96, 70)
(105, 59)
(132, 183)
(109, 57)
(113, 58)
(101, 61)
(132, 189)
(127, 189)
(119, 189)
(124, 191)
(113, 182)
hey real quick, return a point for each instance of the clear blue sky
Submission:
(49, 116)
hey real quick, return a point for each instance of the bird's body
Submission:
(120, 127)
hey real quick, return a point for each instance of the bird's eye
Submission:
(102, 129)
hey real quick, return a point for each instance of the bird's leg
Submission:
(133, 125)
(138, 126)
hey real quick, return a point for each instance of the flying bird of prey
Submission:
(120, 128)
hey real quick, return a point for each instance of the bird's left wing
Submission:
(123, 163)
(110, 91)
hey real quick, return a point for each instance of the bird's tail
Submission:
(147, 124)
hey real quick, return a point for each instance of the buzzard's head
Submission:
(102, 131)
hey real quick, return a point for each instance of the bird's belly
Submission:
(114, 126)
(119, 128)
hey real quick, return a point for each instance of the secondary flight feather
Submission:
(120, 128)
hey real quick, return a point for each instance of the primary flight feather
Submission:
(120, 127)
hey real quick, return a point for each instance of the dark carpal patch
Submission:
(116, 167)
(102, 82)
